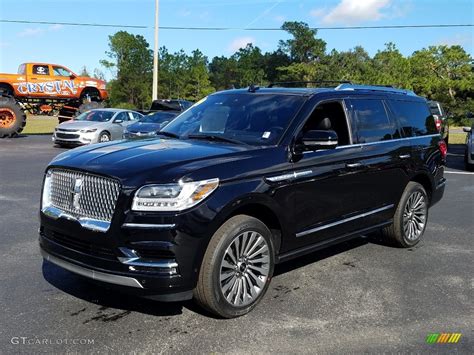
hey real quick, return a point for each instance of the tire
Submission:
(409, 224)
(87, 106)
(232, 296)
(12, 118)
(104, 137)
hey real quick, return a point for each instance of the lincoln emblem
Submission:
(76, 194)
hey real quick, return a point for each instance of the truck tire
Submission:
(87, 106)
(12, 118)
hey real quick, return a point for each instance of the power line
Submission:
(233, 28)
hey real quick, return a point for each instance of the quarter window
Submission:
(415, 118)
(371, 122)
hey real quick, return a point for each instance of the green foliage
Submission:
(442, 73)
(131, 59)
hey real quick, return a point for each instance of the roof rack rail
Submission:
(385, 88)
(283, 83)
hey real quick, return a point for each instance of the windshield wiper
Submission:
(167, 134)
(213, 137)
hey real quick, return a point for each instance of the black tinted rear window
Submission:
(415, 118)
(372, 123)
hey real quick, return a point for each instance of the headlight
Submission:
(46, 200)
(173, 197)
(88, 130)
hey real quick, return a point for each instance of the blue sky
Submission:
(75, 47)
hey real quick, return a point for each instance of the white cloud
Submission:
(240, 42)
(36, 31)
(279, 18)
(56, 27)
(461, 39)
(350, 12)
(30, 32)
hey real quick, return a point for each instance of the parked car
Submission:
(94, 126)
(469, 149)
(241, 181)
(168, 105)
(441, 119)
(149, 125)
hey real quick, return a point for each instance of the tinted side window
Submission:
(40, 70)
(415, 118)
(371, 121)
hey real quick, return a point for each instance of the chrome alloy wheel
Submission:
(414, 216)
(244, 268)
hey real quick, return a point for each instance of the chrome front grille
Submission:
(83, 195)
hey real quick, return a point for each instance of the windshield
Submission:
(159, 117)
(252, 118)
(95, 116)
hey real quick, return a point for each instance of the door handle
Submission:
(353, 165)
(404, 156)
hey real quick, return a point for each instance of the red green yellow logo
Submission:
(443, 338)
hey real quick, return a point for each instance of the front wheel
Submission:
(104, 137)
(411, 216)
(237, 267)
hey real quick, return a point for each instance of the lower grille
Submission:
(67, 136)
(80, 245)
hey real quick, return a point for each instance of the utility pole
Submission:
(155, 55)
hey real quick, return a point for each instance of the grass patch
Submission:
(457, 138)
(41, 125)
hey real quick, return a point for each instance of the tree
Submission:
(131, 58)
(197, 83)
(304, 47)
(84, 71)
(390, 67)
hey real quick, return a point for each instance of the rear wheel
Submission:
(12, 118)
(237, 267)
(411, 216)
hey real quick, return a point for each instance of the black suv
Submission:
(241, 181)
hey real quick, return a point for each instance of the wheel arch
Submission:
(424, 180)
(7, 89)
(90, 89)
(263, 212)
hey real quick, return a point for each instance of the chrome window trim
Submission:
(92, 274)
(88, 223)
(360, 145)
(148, 226)
(345, 220)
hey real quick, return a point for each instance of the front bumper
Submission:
(73, 138)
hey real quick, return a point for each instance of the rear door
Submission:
(331, 187)
(386, 156)
(41, 81)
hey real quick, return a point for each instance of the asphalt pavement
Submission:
(360, 296)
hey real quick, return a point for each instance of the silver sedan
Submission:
(94, 126)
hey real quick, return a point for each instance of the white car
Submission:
(94, 126)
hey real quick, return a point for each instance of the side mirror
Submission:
(72, 77)
(118, 121)
(469, 115)
(467, 129)
(318, 139)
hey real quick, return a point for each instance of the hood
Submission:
(144, 127)
(158, 160)
(77, 125)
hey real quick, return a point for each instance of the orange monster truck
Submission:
(41, 88)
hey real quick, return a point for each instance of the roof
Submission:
(342, 88)
(111, 109)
